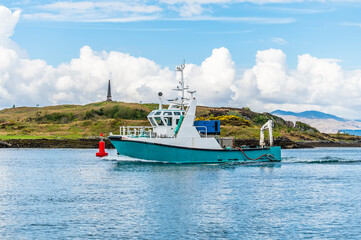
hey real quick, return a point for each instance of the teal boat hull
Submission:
(172, 154)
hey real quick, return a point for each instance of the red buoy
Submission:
(101, 152)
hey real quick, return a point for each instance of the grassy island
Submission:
(88, 121)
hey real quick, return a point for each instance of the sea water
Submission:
(69, 193)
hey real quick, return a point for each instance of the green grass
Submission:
(67, 136)
(8, 137)
(79, 121)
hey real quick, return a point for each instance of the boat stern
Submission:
(276, 153)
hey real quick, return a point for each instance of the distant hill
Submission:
(324, 122)
(309, 114)
(82, 121)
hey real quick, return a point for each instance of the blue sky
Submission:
(158, 30)
(264, 54)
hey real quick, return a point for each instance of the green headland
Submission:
(74, 122)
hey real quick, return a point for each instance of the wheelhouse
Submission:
(165, 118)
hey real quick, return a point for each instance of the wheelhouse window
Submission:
(177, 113)
(167, 113)
(152, 122)
(159, 121)
(168, 121)
(157, 113)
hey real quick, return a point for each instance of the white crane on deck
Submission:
(268, 125)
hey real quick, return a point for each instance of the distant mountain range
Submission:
(309, 114)
(324, 122)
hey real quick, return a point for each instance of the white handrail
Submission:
(137, 131)
(202, 127)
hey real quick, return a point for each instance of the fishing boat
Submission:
(173, 138)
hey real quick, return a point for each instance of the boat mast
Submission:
(180, 69)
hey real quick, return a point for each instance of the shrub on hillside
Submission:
(260, 119)
(305, 127)
(117, 112)
(232, 120)
(120, 112)
(56, 118)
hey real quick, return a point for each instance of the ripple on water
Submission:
(62, 194)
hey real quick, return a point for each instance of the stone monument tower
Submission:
(109, 96)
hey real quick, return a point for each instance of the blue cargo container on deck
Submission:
(213, 126)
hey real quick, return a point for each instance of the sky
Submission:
(291, 55)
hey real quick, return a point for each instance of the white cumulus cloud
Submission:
(8, 22)
(214, 78)
(315, 84)
(84, 79)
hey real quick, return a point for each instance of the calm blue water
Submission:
(65, 194)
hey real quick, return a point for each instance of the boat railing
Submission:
(201, 131)
(137, 131)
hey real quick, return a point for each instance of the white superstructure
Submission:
(172, 126)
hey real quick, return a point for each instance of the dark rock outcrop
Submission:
(54, 143)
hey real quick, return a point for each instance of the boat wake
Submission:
(323, 160)
(122, 158)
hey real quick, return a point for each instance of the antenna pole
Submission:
(182, 89)
(180, 69)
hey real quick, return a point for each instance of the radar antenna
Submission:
(160, 94)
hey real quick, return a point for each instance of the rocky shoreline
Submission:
(94, 143)
(288, 144)
(54, 143)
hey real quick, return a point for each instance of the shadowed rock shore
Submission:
(94, 143)
(288, 144)
(53, 143)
